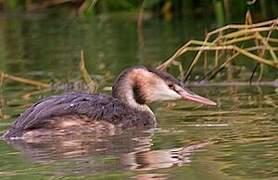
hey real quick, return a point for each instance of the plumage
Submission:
(97, 107)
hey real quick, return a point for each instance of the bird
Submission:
(81, 112)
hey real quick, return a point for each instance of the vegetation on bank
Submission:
(227, 43)
(223, 10)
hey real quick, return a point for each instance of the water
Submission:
(236, 140)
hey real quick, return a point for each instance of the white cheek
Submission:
(163, 93)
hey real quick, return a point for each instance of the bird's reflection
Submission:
(130, 150)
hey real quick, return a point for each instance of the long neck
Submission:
(125, 88)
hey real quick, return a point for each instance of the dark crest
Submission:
(164, 75)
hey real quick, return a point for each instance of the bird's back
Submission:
(77, 108)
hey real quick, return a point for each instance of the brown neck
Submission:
(127, 89)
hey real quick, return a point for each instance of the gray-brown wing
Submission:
(93, 106)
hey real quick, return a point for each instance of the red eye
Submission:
(171, 86)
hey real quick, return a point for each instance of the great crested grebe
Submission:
(133, 89)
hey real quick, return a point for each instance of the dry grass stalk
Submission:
(24, 80)
(231, 38)
(140, 20)
(1, 96)
(92, 85)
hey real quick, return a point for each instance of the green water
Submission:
(235, 140)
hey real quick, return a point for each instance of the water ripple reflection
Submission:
(131, 150)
